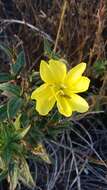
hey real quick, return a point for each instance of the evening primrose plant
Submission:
(23, 125)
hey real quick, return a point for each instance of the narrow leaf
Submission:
(25, 175)
(3, 112)
(11, 88)
(6, 50)
(13, 106)
(47, 47)
(17, 122)
(3, 175)
(4, 77)
(14, 177)
(20, 62)
(39, 150)
(22, 132)
(1, 163)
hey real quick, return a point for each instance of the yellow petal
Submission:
(45, 72)
(54, 72)
(58, 68)
(44, 105)
(75, 73)
(79, 104)
(81, 85)
(40, 91)
(64, 106)
(45, 99)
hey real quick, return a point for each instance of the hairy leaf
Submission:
(14, 176)
(3, 175)
(25, 175)
(20, 62)
(4, 77)
(3, 112)
(13, 106)
(22, 132)
(6, 50)
(11, 88)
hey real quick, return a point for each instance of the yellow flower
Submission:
(62, 87)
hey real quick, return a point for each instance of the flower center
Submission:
(60, 89)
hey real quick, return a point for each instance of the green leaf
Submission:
(4, 77)
(99, 67)
(14, 176)
(3, 175)
(24, 120)
(17, 123)
(25, 175)
(1, 163)
(3, 135)
(11, 88)
(49, 52)
(55, 55)
(13, 106)
(20, 62)
(16, 148)
(47, 47)
(7, 155)
(3, 112)
(6, 50)
(22, 132)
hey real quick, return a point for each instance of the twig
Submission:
(90, 144)
(75, 163)
(60, 24)
(11, 21)
(81, 116)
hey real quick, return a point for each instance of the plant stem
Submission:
(60, 24)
